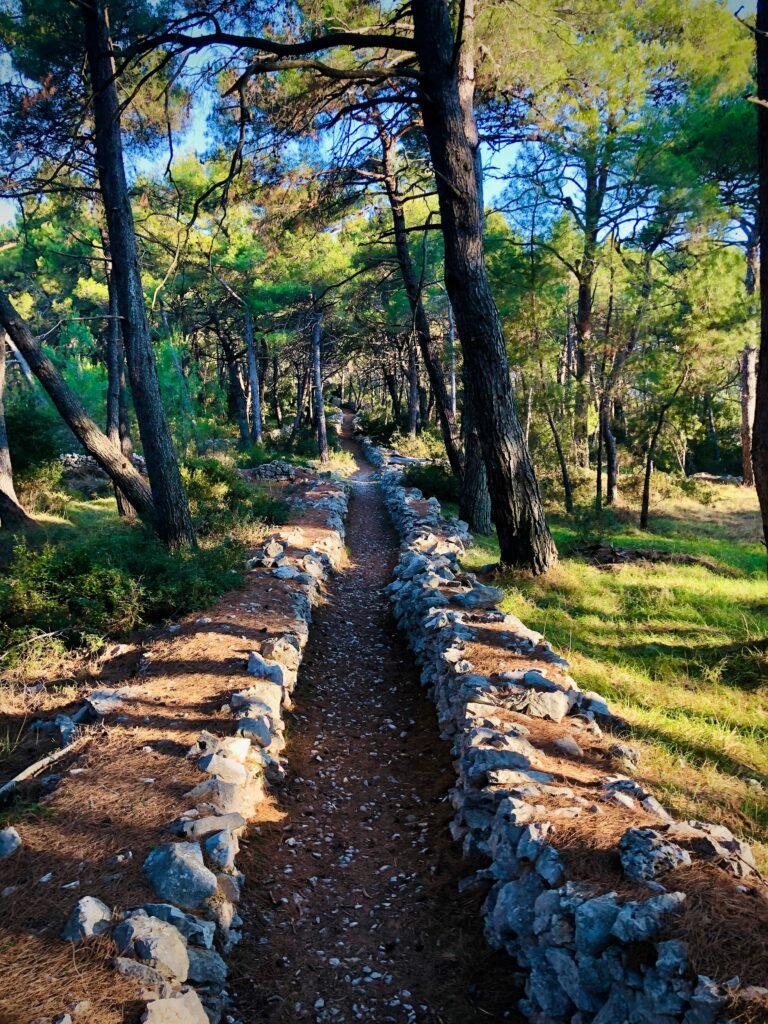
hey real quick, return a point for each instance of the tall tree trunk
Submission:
(413, 388)
(565, 475)
(317, 372)
(302, 385)
(474, 499)
(263, 365)
(452, 360)
(174, 521)
(611, 458)
(712, 427)
(748, 382)
(116, 419)
(524, 538)
(237, 400)
(760, 427)
(12, 515)
(651, 451)
(412, 285)
(599, 473)
(253, 380)
(277, 411)
(117, 467)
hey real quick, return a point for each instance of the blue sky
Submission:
(195, 138)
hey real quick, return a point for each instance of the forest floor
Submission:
(680, 650)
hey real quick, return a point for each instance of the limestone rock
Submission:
(221, 849)
(155, 943)
(639, 921)
(10, 841)
(177, 873)
(90, 917)
(198, 828)
(194, 929)
(646, 854)
(180, 1008)
(206, 967)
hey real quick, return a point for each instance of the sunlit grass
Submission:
(681, 651)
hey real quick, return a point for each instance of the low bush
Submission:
(41, 489)
(433, 481)
(221, 499)
(76, 593)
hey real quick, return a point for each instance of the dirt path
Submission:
(351, 908)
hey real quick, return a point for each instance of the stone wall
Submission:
(521, 730)
(175, 945)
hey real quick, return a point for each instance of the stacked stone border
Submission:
(587, 955)
(175, 947)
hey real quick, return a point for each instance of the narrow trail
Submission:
(351, 907)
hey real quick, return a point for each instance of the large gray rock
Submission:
(194, 929)
(221, 849)
(10, 841)
(257, 729)
(639, 921)
(282, 649)
(178, 873)
(181, 1008)
(90, 917)
(265, 669)
(206, 967)
(152, 983)
(226, 797)
(646, 854)
(594, 920)
(155, 943)
(479, 596)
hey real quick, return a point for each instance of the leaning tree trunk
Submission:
(253, 380)
(748, 381)
(518, 513)
(317, 373)
(116, 420)
(173, 517)
(12, 515)
(118, 468)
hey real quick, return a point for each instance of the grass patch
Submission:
(681, 651)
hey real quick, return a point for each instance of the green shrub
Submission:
(433, 481)
(41, 489)
(221, 499)
(36, 434)
(105, 585)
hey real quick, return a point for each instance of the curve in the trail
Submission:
(352, 910)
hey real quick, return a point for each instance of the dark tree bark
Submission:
(12, 515)
(317, 373)
(524, 538)
(651, 451)
(237, 401)
(263, 366)
(413, 388)
(117, 467)
(277, 411)
(173, 518)
(611, 458)
(253, 380)
(302, 385)
(445, 410)
(474, 499)
(566, 476)
(117, 419)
